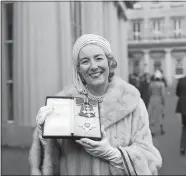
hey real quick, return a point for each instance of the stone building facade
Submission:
(37, 40)
(157, 38)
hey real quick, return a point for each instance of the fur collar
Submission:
(119, 101)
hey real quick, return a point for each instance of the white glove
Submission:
(35, 172)
(40, 118)
(101, 149)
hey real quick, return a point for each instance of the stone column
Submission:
(38, 57)
(123, 47)
(146, 61)
(92, 17)
(113, 31)
(64, 44)
(168, 66)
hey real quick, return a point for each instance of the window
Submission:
(179, 67)
(137, 6)
(136, 66)
(156, 5)
(177, 25)
(157, 28)
(8, 26)
(157, 65)
(76, 19)
(137, 30)
(176, 4)
(136, 63)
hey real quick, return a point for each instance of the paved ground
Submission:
(15, 161)
(169, 144)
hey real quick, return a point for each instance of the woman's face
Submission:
(93, 65)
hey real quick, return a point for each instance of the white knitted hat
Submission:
(81, 42)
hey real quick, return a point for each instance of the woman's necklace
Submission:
(97, 98)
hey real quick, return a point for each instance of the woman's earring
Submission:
(82, 79)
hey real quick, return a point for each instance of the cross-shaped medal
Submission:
(86, 111)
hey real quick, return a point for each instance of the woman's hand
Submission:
(42, 114)
(101, 149)
(40, 118)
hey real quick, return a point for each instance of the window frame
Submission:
(76, 19)
(177, 26)
(137, 29)
(179, 65)
(157, 28)
(7, 64)
(177, 4)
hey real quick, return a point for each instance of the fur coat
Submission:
(126, 123)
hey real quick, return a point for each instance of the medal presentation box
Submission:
(72, 117)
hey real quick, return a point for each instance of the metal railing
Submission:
(155, 38)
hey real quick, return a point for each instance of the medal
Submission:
(87, 109)
(87, 127)
(88, 112)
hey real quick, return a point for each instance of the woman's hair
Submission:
(112, 66)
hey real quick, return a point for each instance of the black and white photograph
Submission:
(115, 72)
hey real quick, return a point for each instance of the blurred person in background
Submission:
(135, 77)
(144, 88)
(181, 108)
(156, 103)
(122, 113)
(163, 79)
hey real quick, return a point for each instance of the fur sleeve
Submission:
(35, 154)
(146, 158)
(51, 163)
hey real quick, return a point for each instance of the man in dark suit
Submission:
(144, 88)
(181, 108)
(135, 78)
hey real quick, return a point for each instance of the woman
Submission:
(180, 108)
(124, 121)
(156, 103)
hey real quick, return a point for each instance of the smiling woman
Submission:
(94, 69)
(123, 115)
